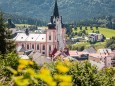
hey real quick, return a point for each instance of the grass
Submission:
(97, 45)
(21, 25)
(105, 31)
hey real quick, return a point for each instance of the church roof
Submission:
(30, 37)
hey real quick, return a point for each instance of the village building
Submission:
(94, 37)
(48, 42)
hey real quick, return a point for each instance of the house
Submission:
(39, 59)
(90, 50)
(100, 65)
(106, 57)
(95, 37)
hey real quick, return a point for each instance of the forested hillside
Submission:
(24, 20)
(71, 10)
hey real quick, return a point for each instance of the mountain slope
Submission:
(70, 9)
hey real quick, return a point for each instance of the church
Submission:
(53, 39)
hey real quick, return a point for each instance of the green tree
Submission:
(84, 31)
(80, 27)
(85, 27)
(97, 27)
(75, 28)
(6, 43)
(91, 27)
(10, 59)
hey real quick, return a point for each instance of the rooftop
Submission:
(31, 37)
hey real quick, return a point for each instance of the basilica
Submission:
(51, 40)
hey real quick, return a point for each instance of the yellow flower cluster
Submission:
(20, 81)
(25, 75)
(23, 63)
(45, 75)
(65, 80)
(62, 68)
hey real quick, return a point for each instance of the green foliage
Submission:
(6, 43)
(111, 43)
(10, 59)
(24, 20)
(62, 73)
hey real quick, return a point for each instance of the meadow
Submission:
(108, 33)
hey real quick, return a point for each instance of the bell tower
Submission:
(52, 24)
(56, 32)
(55, 13)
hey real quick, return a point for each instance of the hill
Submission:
(24, 20)
(71, 10)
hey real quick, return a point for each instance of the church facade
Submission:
(49, 42)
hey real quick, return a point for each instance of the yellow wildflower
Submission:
(20, 81)
(65, 78)
(65, 84)
(45, 71)
(31, 62)
(47, 78)
(62, 68)
(30, 71)
(21, 66)
(24, 62)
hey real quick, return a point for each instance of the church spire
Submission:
(56, 12)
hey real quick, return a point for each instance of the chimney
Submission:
(107, 52)
(27, 32)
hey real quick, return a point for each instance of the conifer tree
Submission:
(7, 45)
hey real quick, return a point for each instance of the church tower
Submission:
(55, 15)
(56, 32)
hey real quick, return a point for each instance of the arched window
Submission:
(22, 45)
(32, 46)
(49, 37)
(27, 46)
(49, 47)
(43, 48)
(37, 46)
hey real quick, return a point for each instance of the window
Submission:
(49, 47)
(37, 46)
(43, 47)
(22, 45)
(27, 46)
(43, 52)
(33, 46)
(55, 37)
(50, 37)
